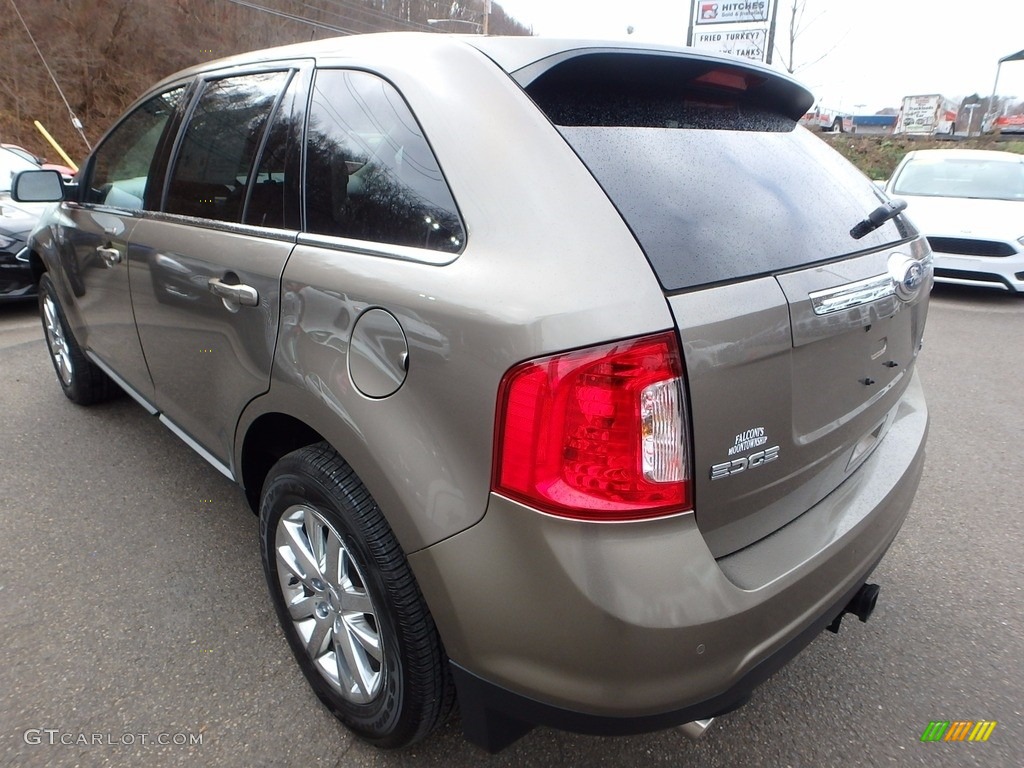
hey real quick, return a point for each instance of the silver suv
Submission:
(572, 380)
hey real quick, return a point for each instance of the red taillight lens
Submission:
(596, 434)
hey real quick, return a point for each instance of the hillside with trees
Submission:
(105, 53)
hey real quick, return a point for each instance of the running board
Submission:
(123, 384)
(216, 463)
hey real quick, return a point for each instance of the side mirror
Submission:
(38, 187)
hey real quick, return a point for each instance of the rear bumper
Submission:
(493, 717)
(636, 627)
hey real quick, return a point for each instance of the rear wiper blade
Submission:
(877, 218)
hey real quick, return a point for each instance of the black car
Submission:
(16, 222)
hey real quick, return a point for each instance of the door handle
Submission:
(245, 295)
(111, 256)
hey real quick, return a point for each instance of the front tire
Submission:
(80, 379)
(348, 602)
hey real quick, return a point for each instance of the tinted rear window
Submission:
(709, 206)
(714, 182)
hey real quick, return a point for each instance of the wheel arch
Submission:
(267, 439)
(35, 263)
(400, 456)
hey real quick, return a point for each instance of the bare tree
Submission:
(795, 25)
(105, 53)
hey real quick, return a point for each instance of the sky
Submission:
(854, 55)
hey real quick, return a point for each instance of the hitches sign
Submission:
(731, 12)
(743, 28)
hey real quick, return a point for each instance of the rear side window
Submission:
(707, 166)
(211, 174)
(273, 195)
(370, 173)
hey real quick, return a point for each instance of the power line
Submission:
(74, 118)
(373, 13)
(290, 16)
(348, 9)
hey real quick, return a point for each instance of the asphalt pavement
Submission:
(135, 628)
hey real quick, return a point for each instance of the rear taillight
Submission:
(597, 434)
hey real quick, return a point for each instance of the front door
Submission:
(100, 223)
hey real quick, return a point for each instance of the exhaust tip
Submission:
(695, 729)
(863, 603)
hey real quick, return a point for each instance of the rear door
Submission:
(798, 338)
(786, 402)
(796, 346)
(206, 271)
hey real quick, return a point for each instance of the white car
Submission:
(970, 205)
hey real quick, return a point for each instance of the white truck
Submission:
(928, 115)
(826, 119)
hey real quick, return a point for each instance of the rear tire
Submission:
(348, 602)
(82, 381)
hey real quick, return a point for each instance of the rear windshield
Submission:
(715, 184)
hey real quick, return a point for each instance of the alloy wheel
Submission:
(330, 607)
(56, 340)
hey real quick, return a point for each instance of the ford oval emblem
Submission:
(907, 274)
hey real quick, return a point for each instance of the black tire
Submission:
(400, 698)
(82, 381)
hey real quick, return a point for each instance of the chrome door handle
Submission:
(244, 295)
(111, 256)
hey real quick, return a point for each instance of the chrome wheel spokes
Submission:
(329, 605)
(58, 343)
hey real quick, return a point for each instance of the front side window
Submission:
(121, 165)
(211, 174)
(370, 173)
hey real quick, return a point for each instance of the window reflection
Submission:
(120, 170)
(370, 173)
(273, 194)
(211, 173)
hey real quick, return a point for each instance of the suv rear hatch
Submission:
(796, 343)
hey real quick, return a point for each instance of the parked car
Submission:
(17, 220)
(65, 170)
(575, 380)
(970, 205)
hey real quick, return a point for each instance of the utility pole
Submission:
(970, 116)
(771, 37)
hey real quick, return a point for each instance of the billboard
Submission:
(747, 43)
(744, 28)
